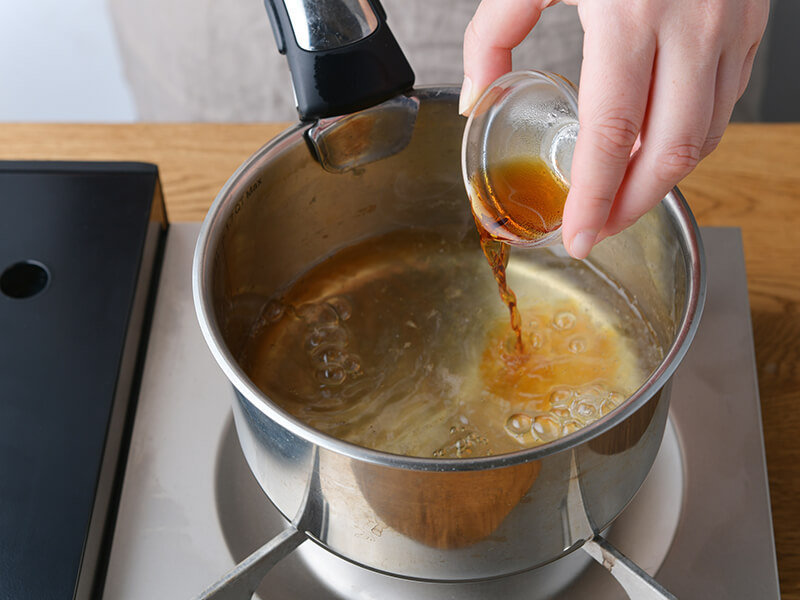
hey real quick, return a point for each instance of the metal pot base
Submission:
(644, 531)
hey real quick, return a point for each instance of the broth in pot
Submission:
(399, 344)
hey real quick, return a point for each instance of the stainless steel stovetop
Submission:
(190, 508)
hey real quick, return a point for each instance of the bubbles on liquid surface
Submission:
(326, 341)
(327, 355)
(519, 425)
(563, 383)
(585, 410)
(467, 444)
(568, 410)
(274, 311)
(562, 413)
(317, 313)
(534, 341)
(561, 396)
(546, 428)
(333, 336)
(612, 401)
(352, 364)
(333, 375)
(341, 305)
(577, 345)
(564, 320)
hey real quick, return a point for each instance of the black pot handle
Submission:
(341, 53)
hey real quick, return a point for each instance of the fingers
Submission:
(726, 93)
(677, 124)
(497, 27)
(697, 80)
(615, 80)
(732, 77)
(659, 77)
(747, 69)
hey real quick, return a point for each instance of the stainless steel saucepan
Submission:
(339, 177)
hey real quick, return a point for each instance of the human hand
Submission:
(657, 88)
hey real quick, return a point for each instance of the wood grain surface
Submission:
(752, 181)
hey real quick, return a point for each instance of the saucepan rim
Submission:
(213, 229)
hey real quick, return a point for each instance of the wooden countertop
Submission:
(752, 181)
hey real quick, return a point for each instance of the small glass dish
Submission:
(517, 154)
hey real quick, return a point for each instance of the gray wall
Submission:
(781, 95)
(73, 61)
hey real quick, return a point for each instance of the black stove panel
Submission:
(79, 249)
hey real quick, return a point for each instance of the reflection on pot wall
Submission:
(602, 463)
(445, 510)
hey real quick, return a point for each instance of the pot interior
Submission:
(283, 212)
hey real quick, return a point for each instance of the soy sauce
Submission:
(497, 255)
(519, 200)
(523, 200)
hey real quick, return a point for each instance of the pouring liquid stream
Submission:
(524, 201)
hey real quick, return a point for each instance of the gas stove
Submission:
(190, 509)
(154, 499)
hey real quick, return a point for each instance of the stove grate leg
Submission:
(634, 580)
(241, 582)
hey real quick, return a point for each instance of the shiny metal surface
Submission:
(282, 212)
(645, 530)
(191, 509)
(633, 579)
(329, 24)
(343, 143)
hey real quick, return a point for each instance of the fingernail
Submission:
(582, 244)
(465, 101)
